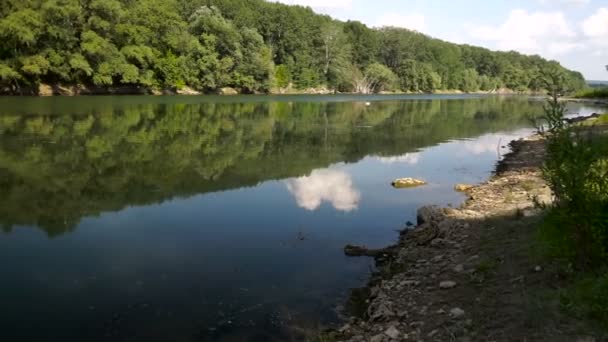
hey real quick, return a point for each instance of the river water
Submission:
(219, 218)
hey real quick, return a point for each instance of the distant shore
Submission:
(45, 90)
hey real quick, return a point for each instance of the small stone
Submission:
(459, 268)
(407, 283)
(437, 258)
(456, 313)
(538, 269)
(433, 333)
(463, 187)
(345, 328)
(448, 284)
(377, 338)
(440, 311)
(392, 332)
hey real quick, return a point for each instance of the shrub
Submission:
(577, 172)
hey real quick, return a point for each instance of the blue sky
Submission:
(574, 32)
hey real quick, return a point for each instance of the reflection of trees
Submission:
(54, 170)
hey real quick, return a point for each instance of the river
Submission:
(205, 218)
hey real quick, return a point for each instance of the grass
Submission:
(592, 93)
(602, 120)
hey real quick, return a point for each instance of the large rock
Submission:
(228, 91)
(407, 183)
(187, 91)
(430, 214)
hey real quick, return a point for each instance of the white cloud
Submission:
(537, 32)
(332, 186)
(565, 2)
(416, 22)
(319, 3)
(596, 26)
(408, 158)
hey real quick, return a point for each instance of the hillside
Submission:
(249, 45)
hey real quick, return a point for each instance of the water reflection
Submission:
(408, 158)
(61, 166)
(335, 187)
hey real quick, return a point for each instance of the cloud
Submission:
(565, 2)
(318, 3)
(408, 158)
(596, 26)
(416, 21)
(332, 186)
(534, 33)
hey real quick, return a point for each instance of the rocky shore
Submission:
(468, 273)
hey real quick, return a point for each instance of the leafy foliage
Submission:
(211, 44)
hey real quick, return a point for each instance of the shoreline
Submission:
(70, 90)
(468, 273)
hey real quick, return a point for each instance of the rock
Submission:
(448, 284)
(45, 90)
(456, 313)
(429, 214)
(354, 251)
(187, 91)
(407, 283)
(382, 313)
(377, 338)
(459, 268)
(463, 187)
(407, 183)
(392, 332)
(538, 269)
(228, 91)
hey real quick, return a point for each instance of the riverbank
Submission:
(473, 273)
(88, 90)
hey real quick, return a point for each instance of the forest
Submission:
(253, 46)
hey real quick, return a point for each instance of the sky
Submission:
(573, 32)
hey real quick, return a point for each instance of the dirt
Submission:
(471, 273)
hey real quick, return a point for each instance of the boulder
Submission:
(430, 214)
(187, 91)
(407, 183)
(228, 91)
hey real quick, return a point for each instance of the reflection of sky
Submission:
(491, 143)
(333, 186)
(408, 158)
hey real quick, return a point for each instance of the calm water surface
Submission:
(218, 219)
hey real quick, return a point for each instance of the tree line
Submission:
(249, 45)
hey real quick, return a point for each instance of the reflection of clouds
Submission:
(490, 143)
(408, 158)
(325, 185)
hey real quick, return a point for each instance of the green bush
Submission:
(576, 169)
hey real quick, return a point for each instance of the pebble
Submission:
(538, 269)
(448, 284)
(456, 313)
(392, 332)
(459, 268)
(377, 338)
